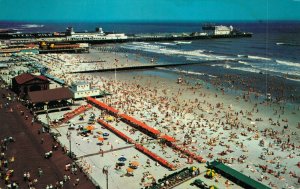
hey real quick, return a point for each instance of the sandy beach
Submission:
(256, 137)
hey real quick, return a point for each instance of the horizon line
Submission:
(147, 21)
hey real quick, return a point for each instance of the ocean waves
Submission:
(32, 26)
(160, 48)
(287, 44)
(259, 58)
(186, 72)
(227, 59)
(288, 63)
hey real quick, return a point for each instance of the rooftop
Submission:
(50, 95)
(238, 176)
(25, 77)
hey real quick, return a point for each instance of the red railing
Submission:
(188, 153)
(102, 105)
(168, 138)
(117, 132)
(137, 146)
(155, 157)
(77, 111)
(140, 124)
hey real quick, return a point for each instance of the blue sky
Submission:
(148, 10)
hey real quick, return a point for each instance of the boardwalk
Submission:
(29, 149)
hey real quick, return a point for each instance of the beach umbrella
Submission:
(90, 127)
(129, 170)
(105, 134)
(210, 173)
(135, 163)
(194, 168)
(109, 118)
(213, 187)
(84, 131)
(101, 139)
(122, 158)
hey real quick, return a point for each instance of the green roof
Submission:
(239, 176)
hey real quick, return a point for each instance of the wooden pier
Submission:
(140, 67)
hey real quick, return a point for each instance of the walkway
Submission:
(28, 149)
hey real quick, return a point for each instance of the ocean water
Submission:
(269, 57)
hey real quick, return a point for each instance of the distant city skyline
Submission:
(149, 11)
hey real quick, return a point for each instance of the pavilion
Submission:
(50, 100)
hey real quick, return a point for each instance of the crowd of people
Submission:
(206, 121)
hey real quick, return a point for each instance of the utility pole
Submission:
(70, 143)
(105, 171)
(116, 61)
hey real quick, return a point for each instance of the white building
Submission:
(98, 35)
(83, 89)
(222, 30)
(217, 30)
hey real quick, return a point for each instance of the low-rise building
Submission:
(50, 100)
(83, 89)
(26, 82)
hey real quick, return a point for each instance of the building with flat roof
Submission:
(83, 89)
(236, 176)
(50, 100)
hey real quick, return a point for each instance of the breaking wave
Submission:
(243, 62)
(245, 69)
(288, 63)
(193, 55)
(32, 26)
(259, 58)
(185, 72)
(287, 44)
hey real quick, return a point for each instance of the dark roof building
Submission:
(236, 176)
(50, 100)
(26, 77)
(26, 82)
(50, 95)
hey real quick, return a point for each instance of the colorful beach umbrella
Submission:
(213, 187)
(135, 163)
(105, 134)
(109, 118)
(210, 173)
(101, 139)
(129, 170)
(90, 127)
(122, 158)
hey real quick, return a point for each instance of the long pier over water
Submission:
(139, 67)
